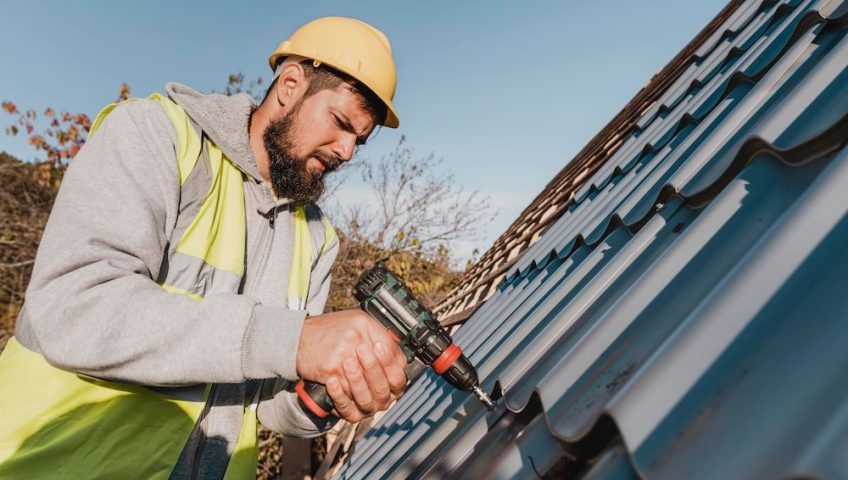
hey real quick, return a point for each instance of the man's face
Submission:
(312, 139)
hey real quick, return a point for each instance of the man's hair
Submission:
(324, 77)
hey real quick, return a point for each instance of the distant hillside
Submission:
(26, 200)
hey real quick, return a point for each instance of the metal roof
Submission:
(685, 317)
(481, 281)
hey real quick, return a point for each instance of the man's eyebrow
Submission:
(348, 126)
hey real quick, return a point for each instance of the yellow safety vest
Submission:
(59, 424)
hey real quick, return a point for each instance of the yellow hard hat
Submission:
(352, 47)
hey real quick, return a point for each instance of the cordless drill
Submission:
(384, 296)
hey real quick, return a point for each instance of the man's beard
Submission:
(289, 176)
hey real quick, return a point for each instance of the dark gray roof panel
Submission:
(708, 80)
(683, 318)
(742, 105)
(693, 106)
(733, 25)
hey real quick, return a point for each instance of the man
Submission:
(178, 289)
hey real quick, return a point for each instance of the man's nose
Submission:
(345, 146)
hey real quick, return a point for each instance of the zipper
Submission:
(263, 252)
(199, 448)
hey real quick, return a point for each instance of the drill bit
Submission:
(483, 397)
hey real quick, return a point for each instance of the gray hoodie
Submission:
(93, 306)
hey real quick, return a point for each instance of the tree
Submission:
(235, 85)
(60, 136)
(26, 204)
(415, 214)
(417, 206)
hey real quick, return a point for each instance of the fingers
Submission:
(371, 381)
(360, 392)
(345, 407)
(380, 336)
(356, 358)
(392, 368)
(375, 376)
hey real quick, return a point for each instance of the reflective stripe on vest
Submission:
(68, 425)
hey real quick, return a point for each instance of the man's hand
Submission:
(353, 355)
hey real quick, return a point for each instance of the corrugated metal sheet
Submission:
(481, 281)
(685, 318)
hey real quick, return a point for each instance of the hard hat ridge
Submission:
(352, 47)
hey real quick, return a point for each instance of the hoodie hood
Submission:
(224, 119)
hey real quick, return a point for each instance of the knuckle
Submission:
(373, 361)
(382, 404)
(351, 336)
(382, 393)
(353, 374)
(398, 389)
(360, 319)
(342, 404)
(398, 381)
(367, 407)
(344, 385)
(368, 361)
(401, 361)
(330, 368)
(386, 359)
(364, 398)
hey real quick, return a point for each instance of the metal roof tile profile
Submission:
(684, 316)
(482, 280)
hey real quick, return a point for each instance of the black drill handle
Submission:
(313, 396)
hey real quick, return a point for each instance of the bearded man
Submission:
(178, 290)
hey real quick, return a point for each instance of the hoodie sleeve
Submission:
(92, 305)
(282, 412)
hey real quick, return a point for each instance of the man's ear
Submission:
(290, 84)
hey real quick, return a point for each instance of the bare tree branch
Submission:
(16, 264)
(417, 207)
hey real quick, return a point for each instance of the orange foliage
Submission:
(62, 137)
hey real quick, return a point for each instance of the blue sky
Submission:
(505, 92)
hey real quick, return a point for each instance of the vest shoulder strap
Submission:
(188, 142)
